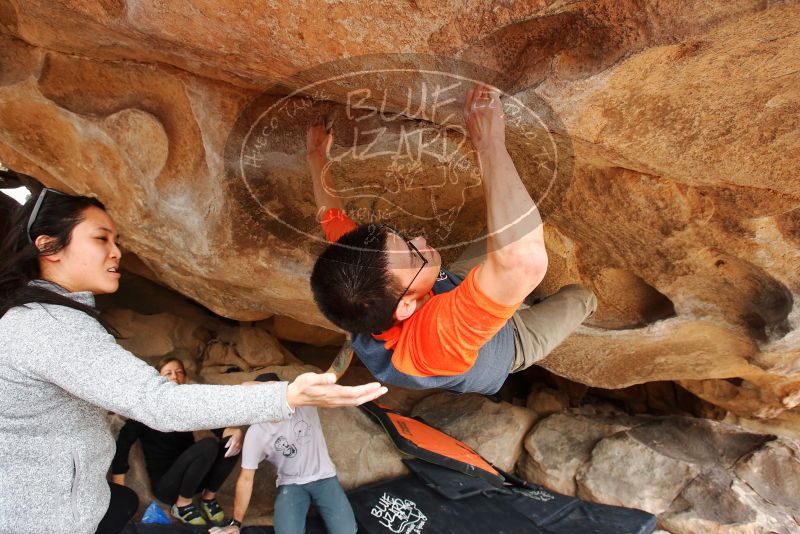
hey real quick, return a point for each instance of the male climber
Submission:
(416, 325)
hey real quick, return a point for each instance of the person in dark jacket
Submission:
(178, 466)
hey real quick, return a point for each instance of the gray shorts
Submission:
(542, 327)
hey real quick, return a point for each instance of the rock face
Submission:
(284, 327)
(494, 429)
(696, 475)
(559, 445)
(678, 123)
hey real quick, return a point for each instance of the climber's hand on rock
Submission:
(483, 114)
(318, 141)
(312, 389)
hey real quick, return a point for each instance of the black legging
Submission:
(202, 466)
(121, 509)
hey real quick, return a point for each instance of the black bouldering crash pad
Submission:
(403, 505)
(463, 492)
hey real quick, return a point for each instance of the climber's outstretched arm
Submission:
(318, 142)
(516, 259)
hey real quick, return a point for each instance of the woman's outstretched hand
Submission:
(312, 389)
(235, 438)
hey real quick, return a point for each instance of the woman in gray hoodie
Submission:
(61, 371)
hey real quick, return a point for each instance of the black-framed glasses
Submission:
(413, 249)
(37, 207)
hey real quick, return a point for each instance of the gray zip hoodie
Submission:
(60, 373)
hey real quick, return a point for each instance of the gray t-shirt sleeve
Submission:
(253, 448)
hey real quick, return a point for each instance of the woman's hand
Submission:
(312, 389)
(230, 529)
(235, 439)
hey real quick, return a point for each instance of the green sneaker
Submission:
(189, 515)
(213, 511)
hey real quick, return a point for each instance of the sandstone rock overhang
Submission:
(681, 211)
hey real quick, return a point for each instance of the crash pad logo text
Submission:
(399, 515)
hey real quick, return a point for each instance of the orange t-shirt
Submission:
(335, 223)
(443, 337)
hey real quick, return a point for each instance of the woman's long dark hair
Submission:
(19, 257)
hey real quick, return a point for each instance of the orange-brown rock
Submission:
(680, 120)
(289, 329)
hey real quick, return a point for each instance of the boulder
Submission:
(623, 470)
(154, 336)
(717, 502)
(290, 329)
(546, 401)
(773, 471)
(218, 353)
(660, 141)
(494, 429)
(257, 347)
(697, 475)
(559, 445)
